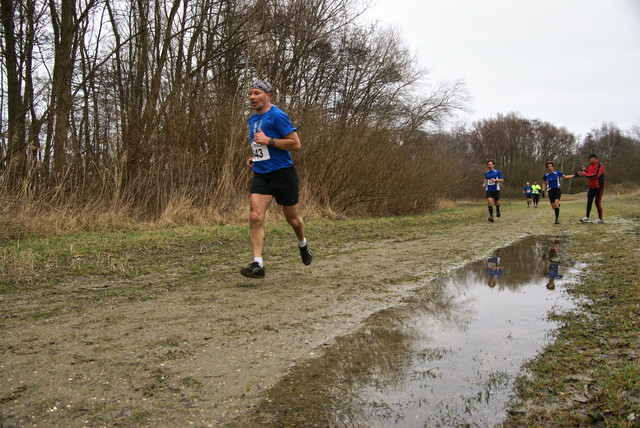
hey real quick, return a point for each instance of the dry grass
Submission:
(362, 179)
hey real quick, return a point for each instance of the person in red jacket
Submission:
(594, 172)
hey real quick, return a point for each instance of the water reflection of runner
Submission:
(552, 265)
(494, 270)
(553, 273)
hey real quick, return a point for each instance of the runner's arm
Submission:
(290, 142)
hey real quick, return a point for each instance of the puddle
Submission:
(448, 357)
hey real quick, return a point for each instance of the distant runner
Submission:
(594, 172)
(535, 192)
(551, 181)
(491, 184)
(528, 191)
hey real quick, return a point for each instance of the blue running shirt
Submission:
(492, 174)
(553, 179)
(275, 124)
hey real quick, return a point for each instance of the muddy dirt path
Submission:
(204, 355)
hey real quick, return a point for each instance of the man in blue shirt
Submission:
(527, 191)
(491, 184)
(551, 181)
(272, 137)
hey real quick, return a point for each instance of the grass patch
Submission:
(188, 254)
(591, 373)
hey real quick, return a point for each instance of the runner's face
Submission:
(259, 99)
(491, 165)
(550, 168)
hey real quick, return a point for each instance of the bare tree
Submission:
(15, 158)
(619, 152)
(145, 102)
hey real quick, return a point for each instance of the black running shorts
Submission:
(494, 194)
(282, 184)
(554, 194)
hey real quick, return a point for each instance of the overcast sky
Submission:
(574, 63)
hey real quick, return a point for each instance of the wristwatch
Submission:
(272, 142)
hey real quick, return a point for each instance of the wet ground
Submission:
(142, 351)
(446, 357)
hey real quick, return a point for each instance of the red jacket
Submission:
(595, 175)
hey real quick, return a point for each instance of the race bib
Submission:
(260, 152)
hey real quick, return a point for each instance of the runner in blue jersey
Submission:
(551, 181)
(527, 191)
(272, 137)
(491, 184)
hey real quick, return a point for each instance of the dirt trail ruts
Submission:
(203, 355)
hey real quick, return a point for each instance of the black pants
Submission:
(595, 195)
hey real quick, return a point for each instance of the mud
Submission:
(446, 357)
(205, 354)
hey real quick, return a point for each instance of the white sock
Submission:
(259, 260)
(302, 243)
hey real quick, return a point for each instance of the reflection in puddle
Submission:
(447, 358)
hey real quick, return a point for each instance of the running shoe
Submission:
(557, 221)
(491, 219)
(254, 270)
(598, 221)
(306, 255)
(585, 220)
(498, 214)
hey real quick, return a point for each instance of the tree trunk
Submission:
(16, 157)
(61, 85)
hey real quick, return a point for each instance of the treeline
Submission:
(521, 147)
(138, 107)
